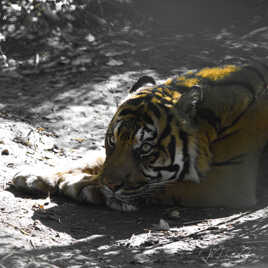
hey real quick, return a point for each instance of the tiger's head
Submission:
(149, 143)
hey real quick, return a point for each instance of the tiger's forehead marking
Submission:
(161, 95)
(132, 132)
(143, 134)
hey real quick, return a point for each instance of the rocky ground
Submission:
(55, 108)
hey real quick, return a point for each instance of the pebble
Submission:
(5, 152)
(174, 214)
(7, 200)
(162, 226)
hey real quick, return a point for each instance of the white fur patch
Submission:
(144, 134)
(192, 175)
(68, 186)
(30, 179)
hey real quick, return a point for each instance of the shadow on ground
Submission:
(96, 237)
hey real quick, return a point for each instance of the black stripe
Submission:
(236, 160)
(141, 82)
(225, 136)
(170, 168)
(265, 66)
(127, 111)
(172, 148)
(167, 128)
(147, 118)
(141, 93)
(154, 156)
(231, 83)
(162, 99)
(210, 117)
(167, 91)
(166, 131)
(186, 158)
(154, 109)
(237, 119)
(256, 71)
(142, 135)
(134, 101)
(137, 114)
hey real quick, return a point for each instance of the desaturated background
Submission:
(64, 66)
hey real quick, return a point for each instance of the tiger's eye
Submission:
(146, 147)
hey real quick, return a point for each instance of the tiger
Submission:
(194, 140)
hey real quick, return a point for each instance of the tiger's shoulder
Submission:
(253, 76)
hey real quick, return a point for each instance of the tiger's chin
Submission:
(123, 200)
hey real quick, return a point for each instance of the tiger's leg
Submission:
(232, 186)
(80, 182)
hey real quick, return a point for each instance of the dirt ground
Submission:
(56, 110)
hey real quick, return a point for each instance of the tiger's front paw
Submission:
(33, 181)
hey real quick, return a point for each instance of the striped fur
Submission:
(194, 140)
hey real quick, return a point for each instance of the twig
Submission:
(32, 243)
(18, 228)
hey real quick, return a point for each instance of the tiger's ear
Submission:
(141, 82)
(189, 102)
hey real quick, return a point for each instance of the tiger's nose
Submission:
(114, 187)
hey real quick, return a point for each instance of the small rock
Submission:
(5, 152)
(11, 165)
(90, 38)
(113, 62)
(162, 226)
(82, 60)
(174, 214)
(142, 240)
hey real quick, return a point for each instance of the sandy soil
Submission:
(56, 111)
